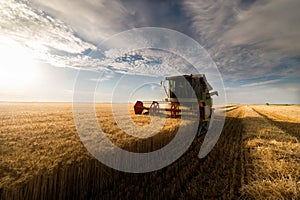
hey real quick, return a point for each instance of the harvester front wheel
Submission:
(174, 109)
(154, 108)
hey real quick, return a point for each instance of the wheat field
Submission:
(42, 157)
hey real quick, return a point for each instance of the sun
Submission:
(17, 66)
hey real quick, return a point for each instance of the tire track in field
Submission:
(219, 175)
(289, 127)
(267, 147)
(222, 173)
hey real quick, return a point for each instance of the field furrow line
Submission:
(219, 165)
(292, 127)
(272, 161)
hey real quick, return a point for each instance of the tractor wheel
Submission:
(174, 110)
(154, 108)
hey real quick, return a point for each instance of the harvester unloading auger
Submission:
(181, 99)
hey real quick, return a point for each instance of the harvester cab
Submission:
(181, 92)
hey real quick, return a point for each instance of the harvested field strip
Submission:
(285, 113)
(222, 164)
(290, 125)
(273, 160)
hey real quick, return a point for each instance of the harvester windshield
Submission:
(178, 87)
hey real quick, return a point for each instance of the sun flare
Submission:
(17, 67)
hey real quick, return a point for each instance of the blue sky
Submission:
(44, 44)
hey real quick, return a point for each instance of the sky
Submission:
(48, 48)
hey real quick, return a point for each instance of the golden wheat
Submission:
(42, 156)
(273, 159)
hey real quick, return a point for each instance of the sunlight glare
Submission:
(17, 67)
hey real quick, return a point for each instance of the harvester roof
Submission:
(191, 76)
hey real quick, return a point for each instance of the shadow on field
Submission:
(266, 147)
(290, 128)
(220, 175)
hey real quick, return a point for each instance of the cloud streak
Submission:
(262, 83)
(248, 39)
(31, 26)
(48, 38)
(92, 20)
(272, 25)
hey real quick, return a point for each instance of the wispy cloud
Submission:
(98, 20)
(38, 26)
(248, 39)
(103, 77)
(262, 83)
(48, 38)
(92, 20)
(272, 25)
(147, 62)
(34, 27)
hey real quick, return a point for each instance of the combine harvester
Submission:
(181, 99)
